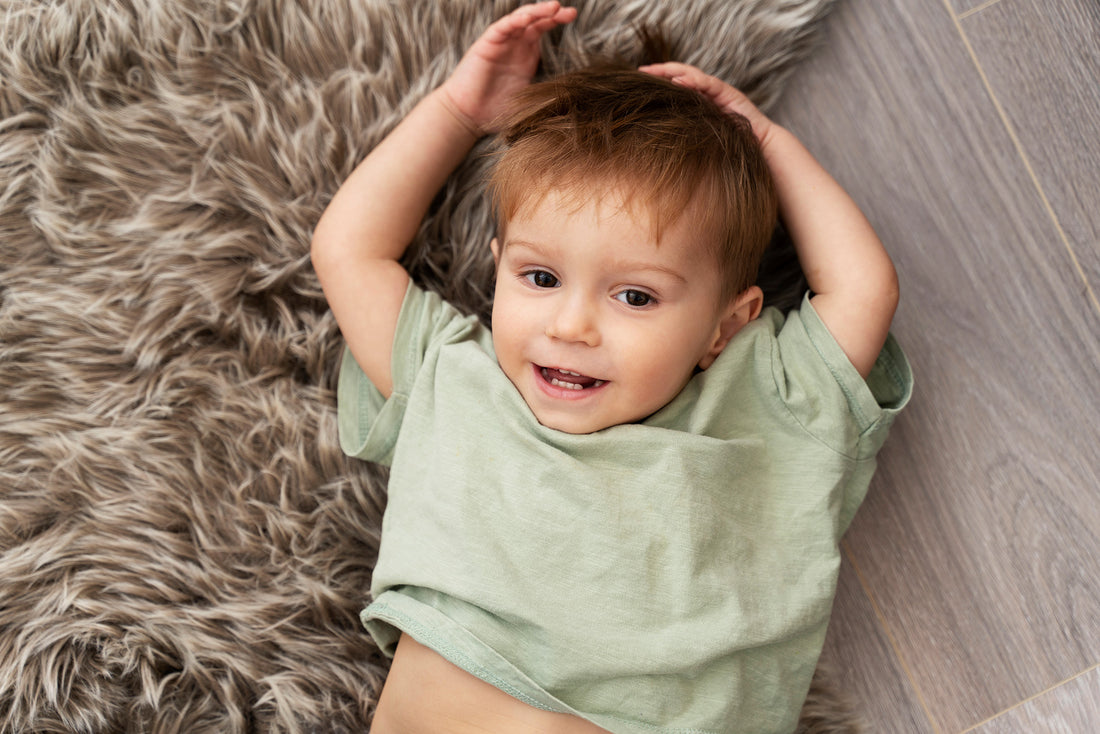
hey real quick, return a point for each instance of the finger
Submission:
(525, 15)
(682, 72)
(566, 15)
(528, 23)
(668, 69)
(688, 76)
(547, 16)
(516, 23)
(540, 27)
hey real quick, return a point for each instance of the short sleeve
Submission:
(818, 382)
(368, 422)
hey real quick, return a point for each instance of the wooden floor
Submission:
(970, 133)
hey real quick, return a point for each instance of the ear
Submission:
(740, 311)
(494, 245)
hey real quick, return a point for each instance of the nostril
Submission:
(573, 330)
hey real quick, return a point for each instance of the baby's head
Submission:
(632, 214)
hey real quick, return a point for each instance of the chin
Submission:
(572, 427)
(575, 425)
(581, 423)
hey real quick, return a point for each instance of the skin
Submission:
(373, 217)
(589, 291)
(852, 277)
(376, 212)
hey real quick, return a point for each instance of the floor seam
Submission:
(886, 630)
(978, 9)
(1020, 152)
(1029, 699)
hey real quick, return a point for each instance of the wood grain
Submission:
(963, 8)
(859, 652)
(1073, 706)
(1042, 59)
(980, 534)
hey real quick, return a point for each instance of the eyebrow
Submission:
(629, 265)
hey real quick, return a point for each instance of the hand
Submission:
(500, 63)
(722, 94)
(853, 280)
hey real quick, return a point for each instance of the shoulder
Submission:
(785, 371)
(370, 419)
(426, 323)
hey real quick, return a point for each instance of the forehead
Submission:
(610, 207)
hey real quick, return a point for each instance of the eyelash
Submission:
(532, 276)
(649, 300)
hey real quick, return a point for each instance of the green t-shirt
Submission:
(674, 575)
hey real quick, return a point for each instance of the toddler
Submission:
(618, 510)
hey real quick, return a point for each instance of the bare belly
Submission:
(426, 694)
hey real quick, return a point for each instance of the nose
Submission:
(573, 320)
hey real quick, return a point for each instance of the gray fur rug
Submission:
(183, 547)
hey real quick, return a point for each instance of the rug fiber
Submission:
(183, 547)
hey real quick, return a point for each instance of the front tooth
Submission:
(561, 383)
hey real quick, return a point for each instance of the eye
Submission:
(542, 279)
(636, 299)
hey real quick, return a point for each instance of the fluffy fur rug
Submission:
(183, 547)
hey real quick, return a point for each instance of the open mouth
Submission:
(569, 380)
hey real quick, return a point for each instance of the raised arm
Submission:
(378, 209)
(852, 277)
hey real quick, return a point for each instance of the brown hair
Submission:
(590, 132)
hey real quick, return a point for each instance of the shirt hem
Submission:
(388, 610)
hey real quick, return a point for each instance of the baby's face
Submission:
(594, 323)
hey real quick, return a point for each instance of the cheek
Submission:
(667, 358)
(657, 361)
(510, 329)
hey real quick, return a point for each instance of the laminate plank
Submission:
(964, 7)
(1071, 707)
(980, 533)
(860, 655)
(1042, 59)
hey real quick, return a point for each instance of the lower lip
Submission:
(564, 393)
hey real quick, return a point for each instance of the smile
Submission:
(568, 380)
